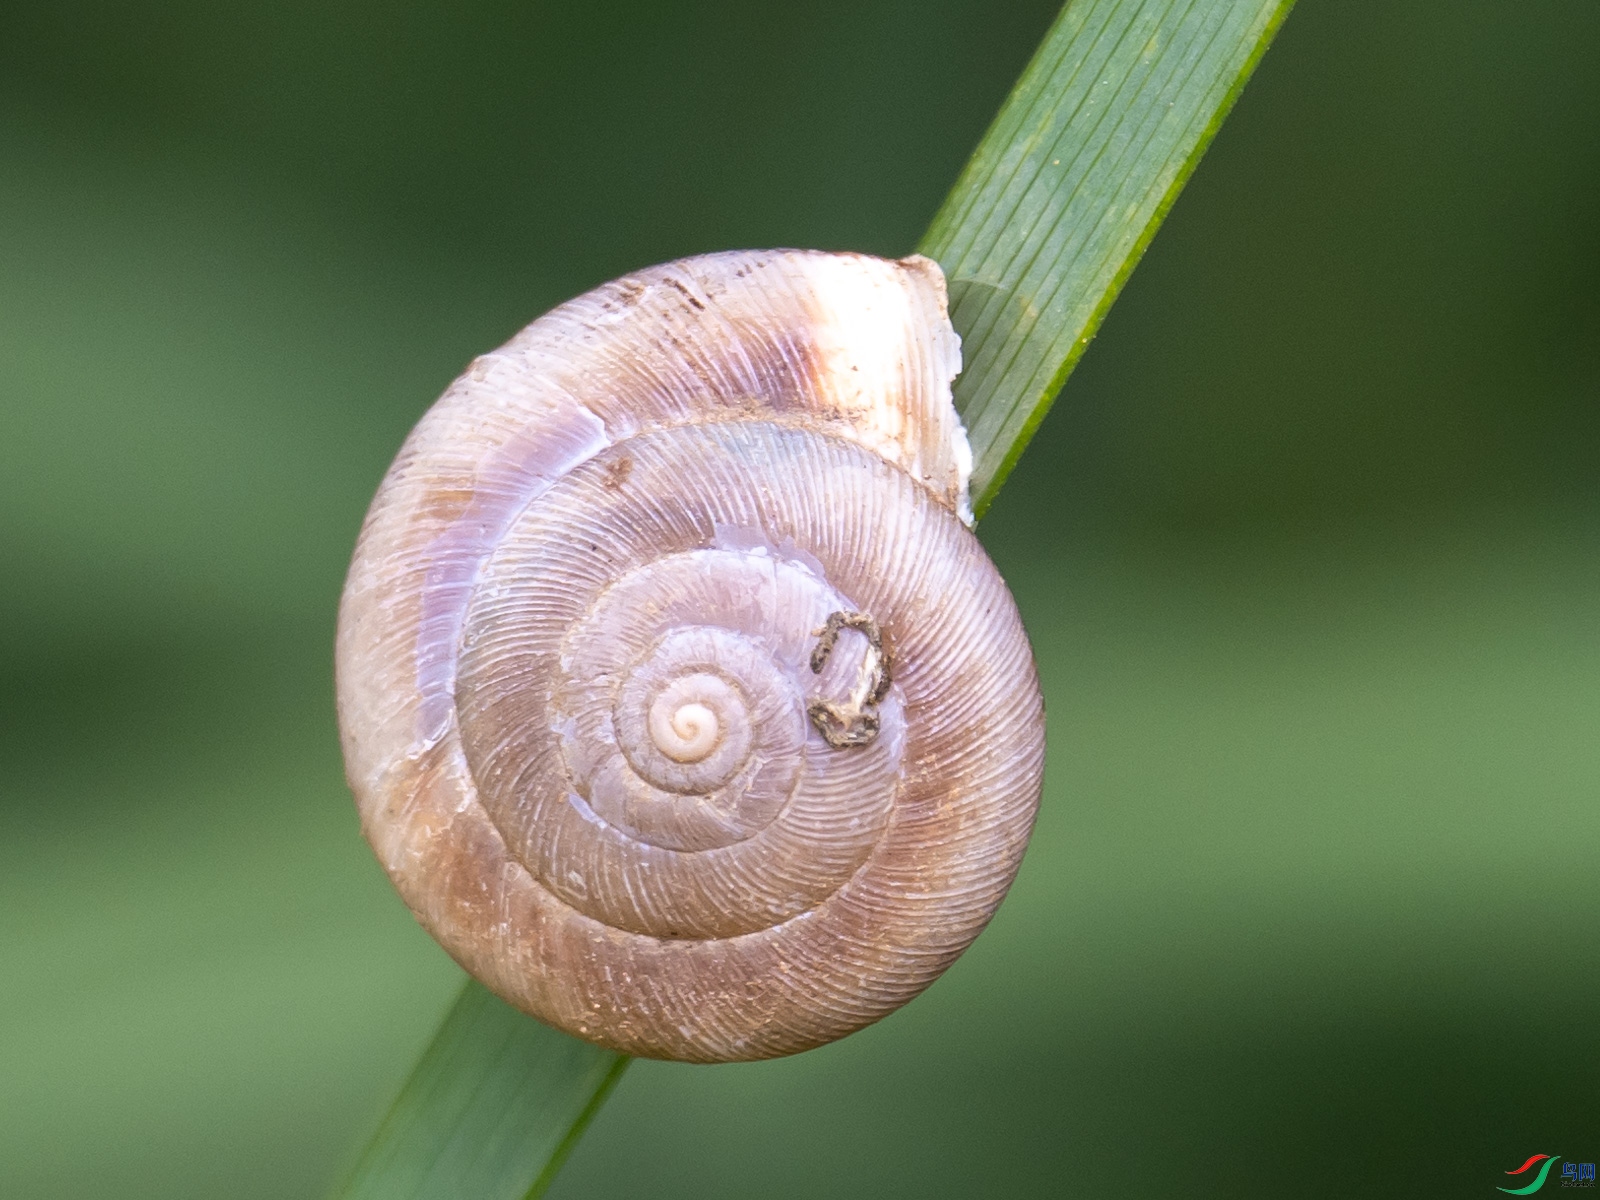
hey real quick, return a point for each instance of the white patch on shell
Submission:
(739, 539)
(862, 320)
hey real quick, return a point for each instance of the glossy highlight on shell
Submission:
(678, 700)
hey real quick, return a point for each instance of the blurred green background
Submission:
(1309, 550)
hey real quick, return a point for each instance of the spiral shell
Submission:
(678, 700)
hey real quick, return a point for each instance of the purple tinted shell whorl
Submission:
(678, 699)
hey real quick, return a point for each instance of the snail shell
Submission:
(678, 700)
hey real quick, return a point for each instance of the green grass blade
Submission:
(1067, 188)
(1044, 225)
(491, 1111)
